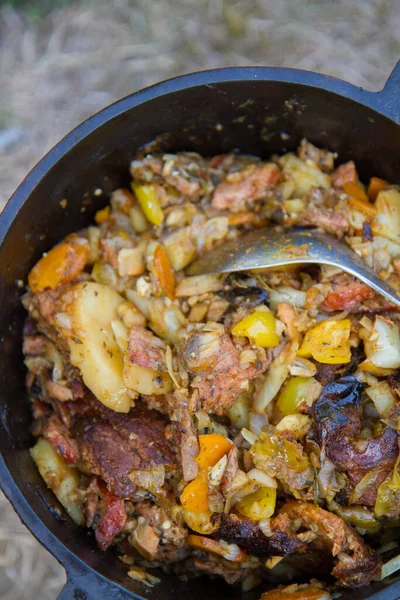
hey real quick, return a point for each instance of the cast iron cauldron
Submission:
(256, 110)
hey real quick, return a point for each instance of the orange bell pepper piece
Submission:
(164, 271)
(60, 265)
(364, 206)
(213, 446)
(102, 215)
(210, 545)
(195, 495)
(356, 190)
(376, 185)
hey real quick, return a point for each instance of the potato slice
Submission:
(62, 479)
(94, 350)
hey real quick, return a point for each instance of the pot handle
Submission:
(388, 99)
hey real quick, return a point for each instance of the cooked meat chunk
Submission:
(188, 438)
(59, 437)
(158, 534)
(231, 572)
(347, 294)
(105, 511)
(213, 363)
(322, 158)
(327, 219)
(114, 447)
(346, 173)
(356, 563)
(146, 349)
(242, 188)
(248, 535)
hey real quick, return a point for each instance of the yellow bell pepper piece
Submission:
(60, 265)
(328, 342)
(258, 505)
(213, 446)
(259, 327)
(293, 394)
(149, 203)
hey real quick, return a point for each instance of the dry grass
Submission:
(57, 70)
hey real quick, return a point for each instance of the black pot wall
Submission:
(259, 111)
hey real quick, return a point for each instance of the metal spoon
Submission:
(261, 249)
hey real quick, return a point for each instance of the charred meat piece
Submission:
(327, 219)
(357, 564)
(337, 415)
(248, 535)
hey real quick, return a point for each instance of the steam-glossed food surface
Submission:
(243, 426)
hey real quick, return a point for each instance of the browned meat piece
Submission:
(346, 173)
(58, 435)
(108, 455)
(322, 158)
(145, 349)
(106, 510)
(212, 361)
(188, 439)
(35, 345)
(357, 564)
(157, 534)
(114, 447)
(337, 415)
(242, 188)
(185, 186)
(248, 535)
(212, 566)
(58, 391)
(347, 294)
(327, 219)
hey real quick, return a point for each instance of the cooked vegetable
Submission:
(295, 392)
(382, 344)
(62, 479)
(259, 327)
(213, 446)
(92, 345)
(376, 185)
(102, 215)
(58, 266)
(258, 505)
(164, 271)
(149, 202)
(381, 395)
(363, 206)
(194, 497)
(328, 342)
(356, 190)
(230, 552)
(387, 220)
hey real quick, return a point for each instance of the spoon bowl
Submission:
(263, 249)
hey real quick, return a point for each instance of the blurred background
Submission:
(63, 60)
